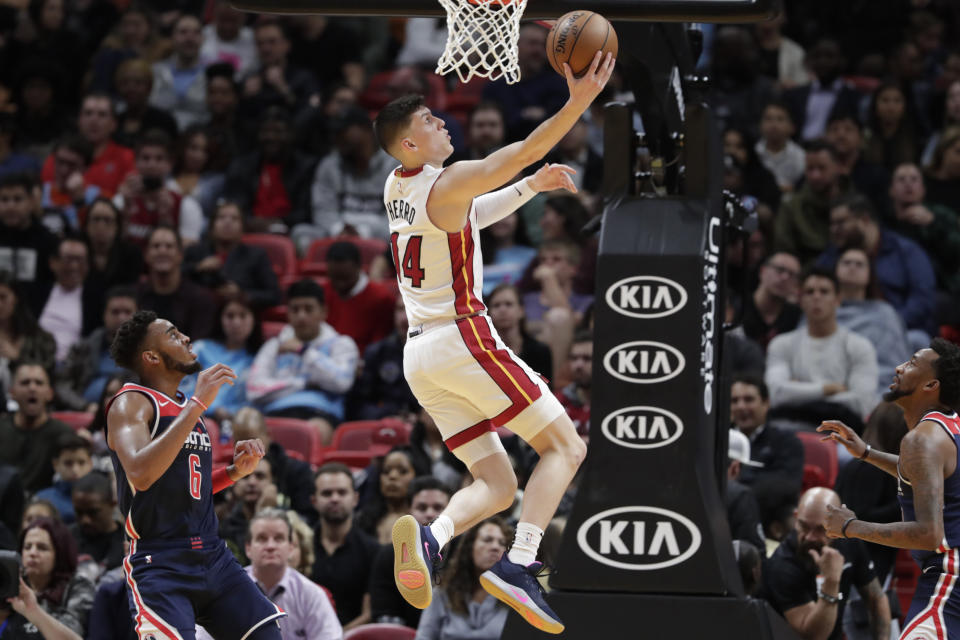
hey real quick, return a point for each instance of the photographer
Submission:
(53, 599)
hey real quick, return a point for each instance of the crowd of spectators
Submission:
(140, 144)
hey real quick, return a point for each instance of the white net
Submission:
(482, 39)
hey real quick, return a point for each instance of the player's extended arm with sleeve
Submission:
(332, 364)
(861, 391)
(263, 381)
(462, 181)
(497, 205)
(922, 460)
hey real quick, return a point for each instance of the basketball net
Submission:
(482, 39)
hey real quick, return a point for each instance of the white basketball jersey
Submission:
(440, 273)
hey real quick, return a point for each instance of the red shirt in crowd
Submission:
(578, 412)
(366, 316)
(106, 171)
(143, 216)
(271, 200)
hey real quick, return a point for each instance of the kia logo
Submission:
(646, 297)
(644, 362)
(639, 538)
(642, 427)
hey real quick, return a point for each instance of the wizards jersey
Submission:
(951, 503)
(179, 504)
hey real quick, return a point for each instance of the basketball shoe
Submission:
(517, 586)
(416, 557)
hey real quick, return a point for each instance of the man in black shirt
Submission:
(25, 244)
(769, 311)
(344, 554)
(99, 536)
(809, 576)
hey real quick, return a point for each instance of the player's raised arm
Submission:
(144, 459)
(461, 182)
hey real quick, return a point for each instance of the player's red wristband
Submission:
(220, 479)
(197, 400)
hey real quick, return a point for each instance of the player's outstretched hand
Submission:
(246, 456)
(839, 432)
(210, 380)
(553, 176)
(588, 86)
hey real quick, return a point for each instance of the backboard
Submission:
(645, 10)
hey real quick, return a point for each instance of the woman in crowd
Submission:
(461, 609)
(57, 598)
(506, 312)
(112, 261)
(235, 342)
(951, 118)
(943, 174)
(392, 476)
(195, 168)
(562, 218)
(302, 556)
(506, 252)
(891, 137)
(21, 338)
(864, 312)
(754, 178)
(224, 263)
(36, 509)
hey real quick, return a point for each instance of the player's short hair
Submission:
(344, 252)
(97, 483)
(820, 271)
(335, 467)
(947, 370)
(305, 288)
(128, 343)
(394, 119)
(753, 381)
(427, 483)
(270, 513)
(71, 442)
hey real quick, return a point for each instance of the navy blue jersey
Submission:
(180, 503)
(951, 503)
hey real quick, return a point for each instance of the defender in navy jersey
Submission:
(179, 572)
(927, 388)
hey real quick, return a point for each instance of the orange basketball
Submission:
(576, 37)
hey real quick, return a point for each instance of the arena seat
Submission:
(380, 631)
(314, 260)
(282, 253)
(271, 328)
(356, 443)
(819, 454)
(296, 437)
(905, 575)
(76, 420)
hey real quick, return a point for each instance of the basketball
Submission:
(576, 37)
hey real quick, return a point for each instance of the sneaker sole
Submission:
(528, 610)
(410, 572)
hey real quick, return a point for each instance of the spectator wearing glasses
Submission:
(68, 195)
(112, 260)
(772, 309)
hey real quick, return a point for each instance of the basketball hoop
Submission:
(482, 39)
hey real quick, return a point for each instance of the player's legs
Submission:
(935, 609)
(492, 491)
(235, 607)
(562, 451)
(160, 585)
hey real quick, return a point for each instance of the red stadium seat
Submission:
(819, 454)
(75, 419)
(314, 261)
(282, 253)
(905, 576)
(271, 329)
(296, 436)
(380, 631)
(357, 443)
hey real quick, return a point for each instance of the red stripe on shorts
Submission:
(468, 434)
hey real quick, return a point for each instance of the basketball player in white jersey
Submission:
(460, 371)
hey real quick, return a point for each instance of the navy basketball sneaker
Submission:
(416, 556)
(517, 587)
